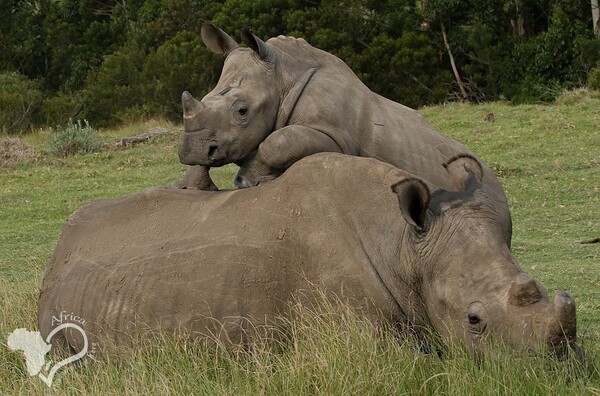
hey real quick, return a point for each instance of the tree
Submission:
(596, 17)
(443, 14)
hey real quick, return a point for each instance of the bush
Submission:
(181, 63)
(552, 61)
(60, 109)
(74, 139)
(20, 99)
(594, 79)
(132, 85)
(406, 69)
(115, 87)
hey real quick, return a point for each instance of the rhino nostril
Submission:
(212, 149)
(240, 182)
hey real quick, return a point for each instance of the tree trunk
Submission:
(454, 69)
(519, 24)
(596, 17)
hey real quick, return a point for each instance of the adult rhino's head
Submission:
(470, 284)
(230, 121)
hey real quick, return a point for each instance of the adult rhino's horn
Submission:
(565, 308)
(464, 170)
(564, 330)
(257, 45)
(217, 40)
(524, 291)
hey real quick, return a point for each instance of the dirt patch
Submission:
(13, 151)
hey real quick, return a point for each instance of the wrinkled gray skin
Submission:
(227, 262)
(279, 101)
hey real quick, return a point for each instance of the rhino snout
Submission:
(197, 150)
(557, 319)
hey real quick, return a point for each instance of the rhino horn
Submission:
(256, 44)
(564, 305)
(465, 170)
(524, 291)
(563, 331)
(217, 40)
(190, 105)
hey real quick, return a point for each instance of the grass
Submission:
(548, 157)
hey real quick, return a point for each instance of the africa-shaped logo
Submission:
(35, 348)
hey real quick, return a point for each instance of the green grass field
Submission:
(548, 159)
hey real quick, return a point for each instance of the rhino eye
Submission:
(243, 110)
(474, 319)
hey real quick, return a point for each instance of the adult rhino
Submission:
(393, 246)
(279, 101)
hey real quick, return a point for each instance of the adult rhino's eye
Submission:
(474, 319)
(243, 110)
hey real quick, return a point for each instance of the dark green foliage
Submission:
(131, 84)
(22, 45)
(59, 109)
(74, 138)
(264, 16)
(182, 63)
(556, 59)
(116, 61)
(20, 99)
(552, 53)
(116, 87)
(413, 67)
(594, 79)
(76, 36)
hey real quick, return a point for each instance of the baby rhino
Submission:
(391, 245)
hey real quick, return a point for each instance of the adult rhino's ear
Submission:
(413, 197)
(257, 45)
(217, 40)
(465, 172)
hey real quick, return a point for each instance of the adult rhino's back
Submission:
(207, 262)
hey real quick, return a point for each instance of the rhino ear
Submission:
(465, 171)
(258, 46)
(217, 40)
(413, 197)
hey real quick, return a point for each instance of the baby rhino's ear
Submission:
(217, 40)
(259, 47)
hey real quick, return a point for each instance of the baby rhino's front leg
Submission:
(197, 177)
(279, 151)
